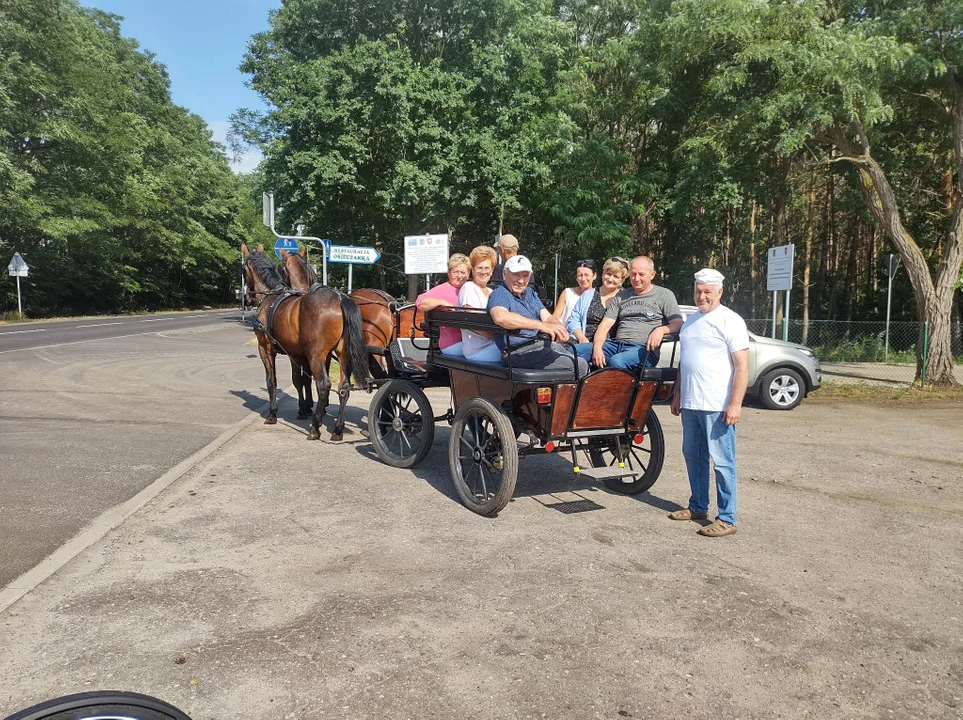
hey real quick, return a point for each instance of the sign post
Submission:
(18, 269)
(352, 255)
(892, 264)
(267, 217)
(426, 254)
(779, 277)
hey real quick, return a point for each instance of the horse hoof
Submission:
(303, 415)
(314, 435)
(271, 421)
(337, 438)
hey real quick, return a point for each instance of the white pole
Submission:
(556, 276)
(350, 267)
(889, 297)
(785, 320)
(324, 264)
(19, 305)
(775, 301)
(427, 283)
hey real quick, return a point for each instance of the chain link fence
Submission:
(861, 350)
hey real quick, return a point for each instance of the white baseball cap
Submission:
(518, 263)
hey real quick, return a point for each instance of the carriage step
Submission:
(608, 474)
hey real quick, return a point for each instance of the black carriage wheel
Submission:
(483, 456)
(102, 705)
(645, 458)
(401, 424)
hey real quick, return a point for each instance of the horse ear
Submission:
(284, 254)
(260, 247)
(244, 251)
(303, 251)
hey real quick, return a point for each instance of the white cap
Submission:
(708, 276)
(518, 263)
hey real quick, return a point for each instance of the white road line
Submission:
(21, 332)
(97, 325)
(156, 319)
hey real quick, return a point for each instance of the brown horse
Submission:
(308, 327)
(377, 307)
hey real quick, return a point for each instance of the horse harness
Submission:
(280, 296)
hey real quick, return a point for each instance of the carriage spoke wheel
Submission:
(644, 458)
(401, 424)
(483, 456)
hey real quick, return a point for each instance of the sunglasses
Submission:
(590, 264)
(620, 261)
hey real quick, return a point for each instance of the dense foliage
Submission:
(699, 131)
(117, 198)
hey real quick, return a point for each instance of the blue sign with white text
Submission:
(289, 245)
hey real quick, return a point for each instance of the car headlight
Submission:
(807, 351)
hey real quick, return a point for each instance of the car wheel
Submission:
(782, 389)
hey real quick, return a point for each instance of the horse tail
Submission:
(356, 360)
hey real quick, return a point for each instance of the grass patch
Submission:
(875, 393)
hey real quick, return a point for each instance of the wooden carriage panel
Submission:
(495, 389)
(563, 401)
(603, 400)
(464, 385)
(406, 317)
(643, 401)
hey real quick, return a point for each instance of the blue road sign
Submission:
(289, 245)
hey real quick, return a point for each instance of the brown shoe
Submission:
(688, 514)
(718, 529)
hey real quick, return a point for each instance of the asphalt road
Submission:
(29, 336)
(92, 411)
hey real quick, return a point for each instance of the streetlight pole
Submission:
(892, 263)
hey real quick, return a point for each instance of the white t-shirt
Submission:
(706, 343)
(570, 300)
(470, 295)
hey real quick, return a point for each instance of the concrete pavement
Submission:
(287, 579)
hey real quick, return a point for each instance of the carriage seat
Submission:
(409, 357)
(497, 370)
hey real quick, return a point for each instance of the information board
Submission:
(779, 276)
(426, 254)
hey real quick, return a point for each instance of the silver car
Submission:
(781, 373)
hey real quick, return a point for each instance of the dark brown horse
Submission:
(377, 307)
(308, 327)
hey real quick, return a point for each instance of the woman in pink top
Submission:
(447, 294)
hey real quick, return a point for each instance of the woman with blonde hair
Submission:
(476, 346)
(446, 294)
(590, 309)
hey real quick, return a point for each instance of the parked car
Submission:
(781, 373)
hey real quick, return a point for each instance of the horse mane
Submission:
(266, 270)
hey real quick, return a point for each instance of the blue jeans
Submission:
(621, 354)
(705, 435)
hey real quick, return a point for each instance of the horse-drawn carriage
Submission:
(501, 413)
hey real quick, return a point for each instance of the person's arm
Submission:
(513, 321)
(656, 336)
(430, 303)
(601, 335)
(576, 321)
(557, 330)
(559, 305)
(676, 406)
(740, 381)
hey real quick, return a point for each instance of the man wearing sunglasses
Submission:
(641, 317)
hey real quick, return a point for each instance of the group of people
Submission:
(617, 327)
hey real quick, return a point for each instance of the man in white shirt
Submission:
(713, 374)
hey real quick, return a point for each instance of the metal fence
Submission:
(861, 350)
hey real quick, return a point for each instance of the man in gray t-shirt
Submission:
(641, 317)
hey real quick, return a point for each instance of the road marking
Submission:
(21, 332)
(116, 515)
(156, 319)
(98, 325)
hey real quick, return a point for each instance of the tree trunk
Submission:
(752, 261)
(807, 256)
(933, 297)
(851, 270)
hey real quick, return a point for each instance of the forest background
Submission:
(700, 132)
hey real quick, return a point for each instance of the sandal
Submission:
(688, 514)
(718, 529)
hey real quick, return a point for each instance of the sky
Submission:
(202, 43)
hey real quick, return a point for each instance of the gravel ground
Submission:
(287, 579)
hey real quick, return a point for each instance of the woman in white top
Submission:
(478, 347)
(584, 280)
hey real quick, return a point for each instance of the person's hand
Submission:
(580, 337)
(675, 406)
(733, 414)
(558, 333)
(655, 338)
(598, 357)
